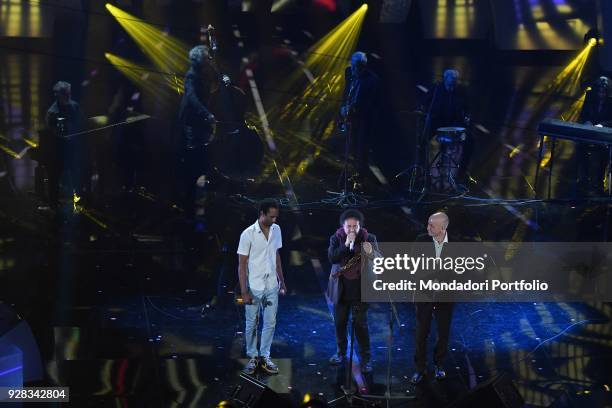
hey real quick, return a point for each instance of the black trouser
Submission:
(64, 169)
(130, 153)
(591, 163)
(192, 166)
(424, 314)
(358, 147)
(341, 319)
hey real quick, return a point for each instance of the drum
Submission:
(446, 163)
(446, 135)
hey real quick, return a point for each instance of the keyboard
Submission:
(575, 131)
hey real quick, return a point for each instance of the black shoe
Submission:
(417, 377)
(439, 373)
(366, 367)
(337, 359)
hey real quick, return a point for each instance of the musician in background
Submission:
(64, 155)
(360, 102)
(597, 108)
(448, 102)
(592, 159)
(196, 121)
(128, 147)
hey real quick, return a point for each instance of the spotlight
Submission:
(226, 404)
(169, 54)
(592, 37)
(311, 400)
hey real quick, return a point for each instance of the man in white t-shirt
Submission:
(261, 280)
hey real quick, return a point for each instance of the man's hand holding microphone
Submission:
(350, 241)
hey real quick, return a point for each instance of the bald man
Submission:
(437, 235)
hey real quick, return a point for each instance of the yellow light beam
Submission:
(569, 77)
(574, 110)
(167, 53)
(567, 81)
(317, 96)
(10, 151)
(155, 83)
(31, 143)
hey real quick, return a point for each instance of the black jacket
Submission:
(193, 113)
(455, 248)
(71, 112)
(449, 248)
(449, 108)
(591, 113)
(335, 253)
(367, 101)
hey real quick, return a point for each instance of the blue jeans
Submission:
(266, 300)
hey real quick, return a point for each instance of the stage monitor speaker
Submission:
(252, 393)
(498, 391)
(16, 338)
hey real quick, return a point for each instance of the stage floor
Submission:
(114, 292)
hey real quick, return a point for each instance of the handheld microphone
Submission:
(61, 125)
(264, 302)
(211, 38)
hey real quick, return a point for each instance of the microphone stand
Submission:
(421, 139)
(346, 198)
(347, 390)
(373, 399)
(387, 397)
(212, 41)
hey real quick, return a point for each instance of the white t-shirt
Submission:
(262, 255)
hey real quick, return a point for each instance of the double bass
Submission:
(236, 150)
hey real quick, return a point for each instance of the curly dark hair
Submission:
(352, 213)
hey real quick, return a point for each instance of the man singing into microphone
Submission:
(344, 287)
(261, 280)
